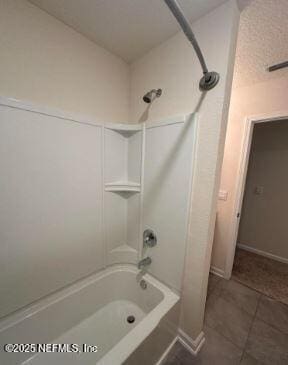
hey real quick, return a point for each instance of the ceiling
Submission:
(127, 28)
(262, 41)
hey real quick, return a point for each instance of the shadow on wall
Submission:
(163, 171)
(172, 157)
(145, 115)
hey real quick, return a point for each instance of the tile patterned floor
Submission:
(241, 326)
(267, 276)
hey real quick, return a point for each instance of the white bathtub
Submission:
(94, 311)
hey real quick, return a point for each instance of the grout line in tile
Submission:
(254, 316)
(258, 291)
(250, 329)
(238, 307)
(252, 321)
(272, 326)
(263, 320)
(237, 280)
(226, 338)
(247, 286)
(179, 357)
(206, 324)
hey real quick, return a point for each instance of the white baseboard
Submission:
(219, 272)
(165, 353)
(263, 253)
(193, 346)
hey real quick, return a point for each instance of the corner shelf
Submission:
(126, 130)
(124, 248)
(122, 254)
(123, 187)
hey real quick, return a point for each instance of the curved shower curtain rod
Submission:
(209, 79)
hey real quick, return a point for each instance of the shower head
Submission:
(151, 95)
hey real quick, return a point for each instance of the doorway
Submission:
(259, 234)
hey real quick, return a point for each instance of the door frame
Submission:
(249, 123)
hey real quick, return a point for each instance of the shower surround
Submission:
(78, 195)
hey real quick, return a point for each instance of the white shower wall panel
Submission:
(51, 204)
(167, 184)
(134, 157)
(133, 221)
(115, 220)
(115, 164)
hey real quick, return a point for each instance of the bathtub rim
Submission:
(122, 350)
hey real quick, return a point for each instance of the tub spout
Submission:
(144, 262)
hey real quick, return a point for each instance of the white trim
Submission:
(219, 272)
(193, 346)
(118, 127)
(27, 106)
(195, 120)
(241, 180)
(103, 226)
(123, 186)
(167, 121)
(141, 202)
(166, 352)
(74, 117)
(263, 253)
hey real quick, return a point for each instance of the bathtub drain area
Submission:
(105, 328)
(131, 319)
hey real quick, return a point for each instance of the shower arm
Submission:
(278, 66)
(209, 79)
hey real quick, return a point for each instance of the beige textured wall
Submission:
(48, 63)
(263, 224)
(258, 99)
(173, 67)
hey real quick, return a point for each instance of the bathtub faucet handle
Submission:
(144, 262)
(149, 238)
